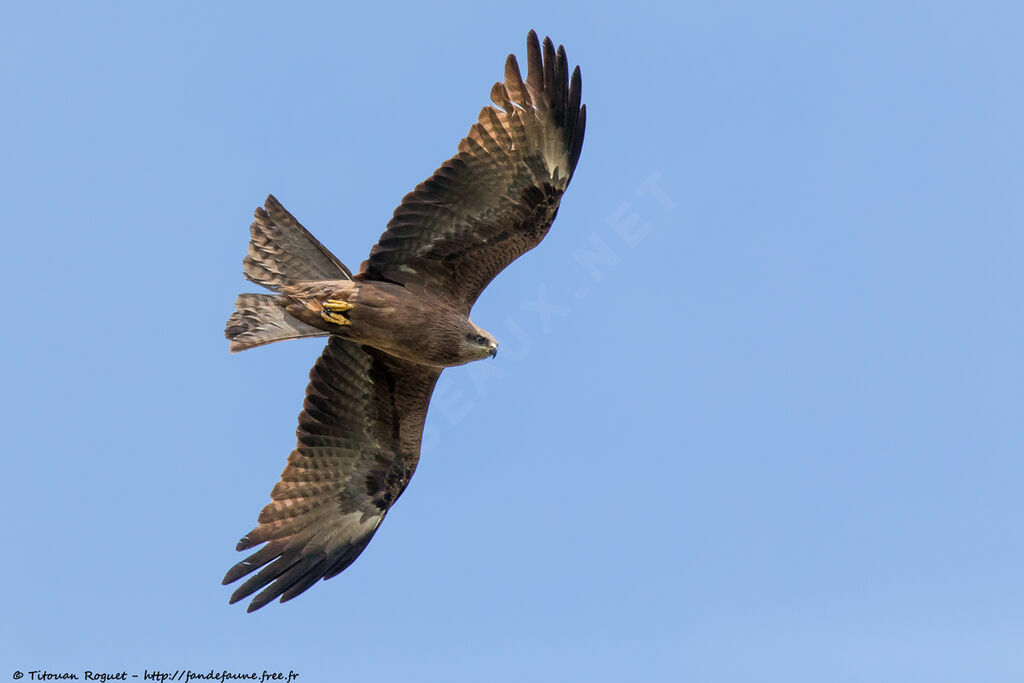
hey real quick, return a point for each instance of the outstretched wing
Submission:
(497, 197)
(358, 445)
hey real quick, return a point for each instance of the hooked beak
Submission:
(494, 349)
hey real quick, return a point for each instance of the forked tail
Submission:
(281, 253)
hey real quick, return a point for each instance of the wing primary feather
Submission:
(265, 576)
(514, 84)
(573, 107)
(288, 578)
(549, 65)
(534, 65)
(304, 583)
(499, 95)
(343, 561)
(559, 89)
(253, 562)
(576, 146)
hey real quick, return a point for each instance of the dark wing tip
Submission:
(534, 67)
(235, 573)
(554, 89)
(549, 63)
(576, 146)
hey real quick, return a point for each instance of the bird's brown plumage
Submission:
(405, 319)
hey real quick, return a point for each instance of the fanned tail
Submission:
(281, 253)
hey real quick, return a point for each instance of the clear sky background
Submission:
(758, 410)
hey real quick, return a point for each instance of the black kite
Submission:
(397, 323)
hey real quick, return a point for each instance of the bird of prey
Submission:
(397, 323)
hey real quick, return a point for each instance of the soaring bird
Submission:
(397, 323)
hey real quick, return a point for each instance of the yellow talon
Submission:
(332, 310)
(334, 318)
(337, 305)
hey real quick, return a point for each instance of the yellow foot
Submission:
(337, 305)
(333, 309)
(335, 318)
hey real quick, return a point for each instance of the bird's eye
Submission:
(479, 339)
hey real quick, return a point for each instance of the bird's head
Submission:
(478, 343)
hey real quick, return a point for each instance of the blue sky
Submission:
(758, 411)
